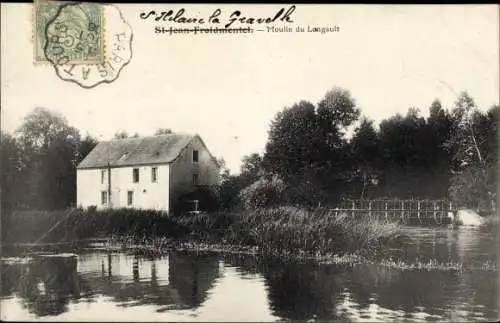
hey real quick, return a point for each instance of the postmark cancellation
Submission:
(70, 32)
(86, 43)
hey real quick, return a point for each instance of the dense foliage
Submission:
(328, 151)
(315, 155)
(39, 162)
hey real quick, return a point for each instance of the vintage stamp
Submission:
(74, 44)
(70, 32)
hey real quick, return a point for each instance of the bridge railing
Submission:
(419, 211)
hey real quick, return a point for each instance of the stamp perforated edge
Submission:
(34, 40)
(104, 81)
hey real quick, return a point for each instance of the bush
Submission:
(475, 188)
(263, 193)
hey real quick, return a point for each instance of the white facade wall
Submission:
(183, 168)
(146, 194)
(172, 181)
(88, 187)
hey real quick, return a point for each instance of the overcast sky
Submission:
(227, 88)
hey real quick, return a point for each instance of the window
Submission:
(103, 176)
(104, 197)
(195, 179)
(154, 174)
(130, 197)
(195, 156)
(135, 175)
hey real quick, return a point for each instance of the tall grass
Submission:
(317, 231)
(280, 230)
(76, 224)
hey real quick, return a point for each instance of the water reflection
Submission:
(372, 292)
(47, 284)
(471, 246)
(215, 287)
(179, 280)
(303, 291)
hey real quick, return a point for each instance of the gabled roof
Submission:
(161, 149)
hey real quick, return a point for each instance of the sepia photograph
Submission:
(166, 162)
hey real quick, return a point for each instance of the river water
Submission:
(101, 285)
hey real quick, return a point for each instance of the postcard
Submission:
(249, 162)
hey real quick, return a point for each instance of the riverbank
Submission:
(162, 247)
(463, 260)
(158, 248)
(282, 231)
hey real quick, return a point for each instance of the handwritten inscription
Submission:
(180, 17)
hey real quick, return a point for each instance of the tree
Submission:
(85, 146)
(231, 185)
(307, 146)
(404, 156)
(49, 150)
(436, 111)
(364, 154)
(438, 129)
(58, 170)
(224, 171)
(464, 141)
(475, 187)
(337, 110)
(12, 165)
(163, 131)
(122, 134)
(42, 126)
(252, 166)
(49, 147)
(336, 113)
(487, 133)
(291, 143)
(473, 151)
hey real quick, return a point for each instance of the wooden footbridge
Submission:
(404, 211)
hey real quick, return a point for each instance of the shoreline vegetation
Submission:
(288, 233)
(284, 232)
(280, 231)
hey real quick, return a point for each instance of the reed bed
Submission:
(282, 231)
(78, 224)
(318, 231)
(429, 265)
